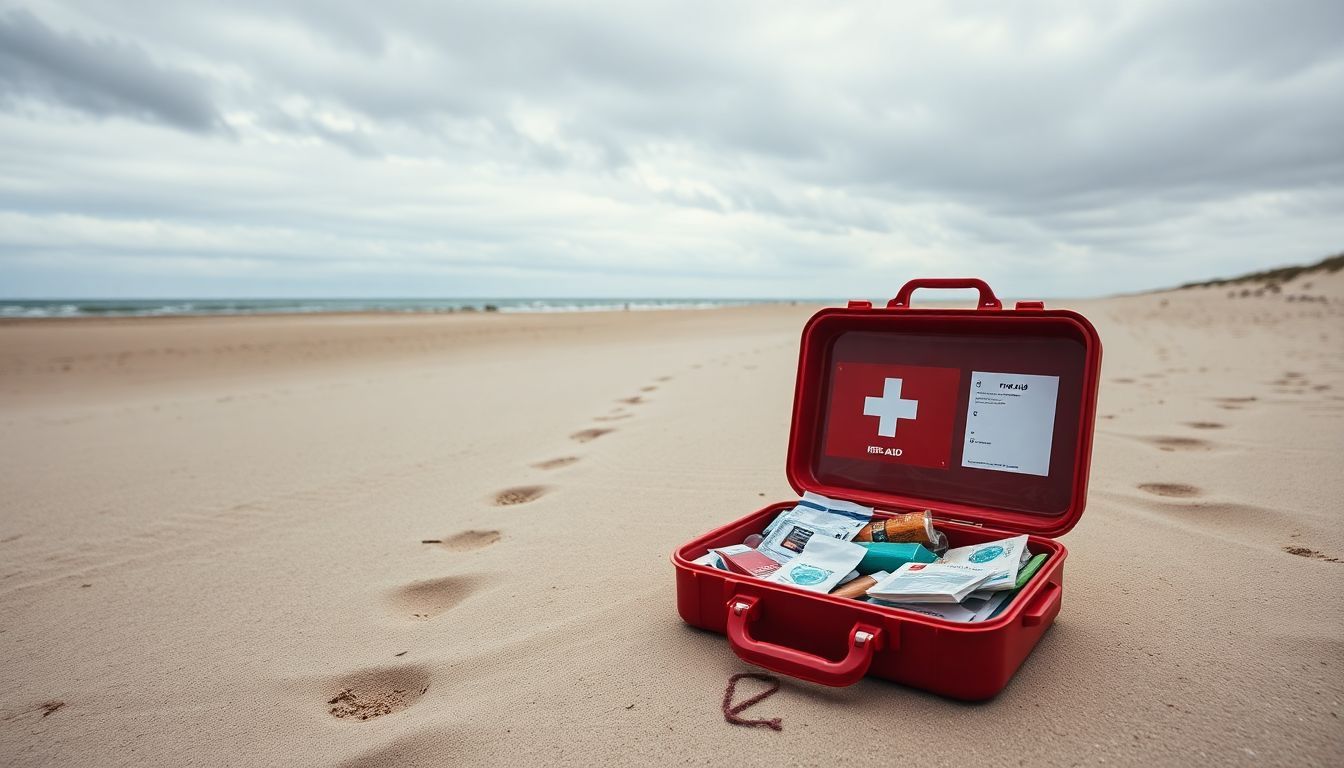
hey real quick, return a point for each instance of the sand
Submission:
(444, 540)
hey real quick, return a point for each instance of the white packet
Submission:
(710, 559)
(969, 611)
(823, 563)
(815, 514)
(1004, 557)
(991, 605)
(949, 611)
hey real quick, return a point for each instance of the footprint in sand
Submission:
(563, 461)
(1310, 553)
(1171, 490)
(376, 692)
(1170, 443)
(636, 400)
(466, 540)
(426, 599)
(613, 417)
(586, 435)
(663, 378)
(1245, 520)
(649, 388)
(1204, 424)
(519, 495)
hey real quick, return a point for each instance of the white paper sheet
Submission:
(1010, 422)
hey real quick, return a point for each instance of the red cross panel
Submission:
(903, 414)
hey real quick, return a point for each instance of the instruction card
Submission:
(1010, 422)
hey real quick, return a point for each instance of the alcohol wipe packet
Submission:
(823, 563)
(815, 514)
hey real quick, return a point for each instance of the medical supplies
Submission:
(815, 514)
(821, 565)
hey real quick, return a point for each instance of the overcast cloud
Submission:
(267, 148)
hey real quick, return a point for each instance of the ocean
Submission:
(180, 307)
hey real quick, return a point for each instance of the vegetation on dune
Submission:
(1275, 276)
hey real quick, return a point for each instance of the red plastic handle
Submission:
(987, 298)
(1045, 600)
(864, 641)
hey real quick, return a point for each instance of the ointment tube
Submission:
(858, 588)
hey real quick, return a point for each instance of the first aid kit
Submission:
(983, 416)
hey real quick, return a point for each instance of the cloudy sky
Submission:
(426, 148)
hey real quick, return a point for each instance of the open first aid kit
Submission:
(939, 453)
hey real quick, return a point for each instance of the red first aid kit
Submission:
(984, 416)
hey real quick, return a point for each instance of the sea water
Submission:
(170, 307)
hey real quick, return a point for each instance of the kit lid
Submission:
(983, 415)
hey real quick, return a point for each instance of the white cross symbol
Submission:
(889, 407)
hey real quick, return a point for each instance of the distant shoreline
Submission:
(365, 315)
(76, 309)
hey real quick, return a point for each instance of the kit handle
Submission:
(1045, 600)
(987, 298)
(864, 641)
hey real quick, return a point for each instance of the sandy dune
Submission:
(403, 541)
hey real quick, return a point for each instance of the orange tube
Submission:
(912, 527)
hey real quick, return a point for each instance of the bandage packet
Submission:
(821, 565)
(815, 514)
(1004, 557)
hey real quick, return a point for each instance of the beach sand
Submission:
(444, 540)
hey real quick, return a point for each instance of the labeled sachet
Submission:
(1003, 558)
(822, 564)
(814, 515)
(739, 558)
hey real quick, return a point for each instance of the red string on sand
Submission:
(730, 713)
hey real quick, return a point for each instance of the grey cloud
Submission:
(1022, 129)
(101, 77)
